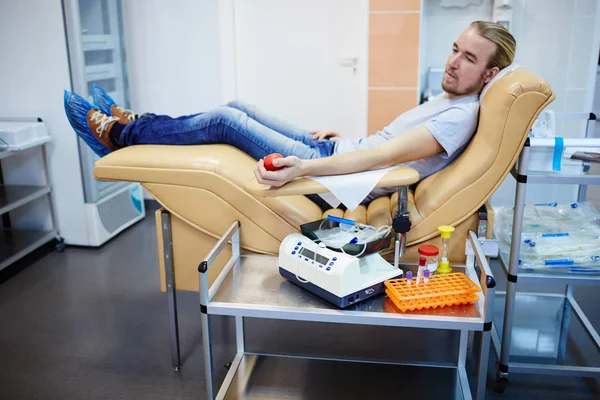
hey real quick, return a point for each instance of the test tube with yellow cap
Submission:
(446, 232)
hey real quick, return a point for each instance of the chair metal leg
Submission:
(401, 225)
(171, 289)
(482, 226)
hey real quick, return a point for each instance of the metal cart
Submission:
(549, 357)
(17, 243)
(249, 286)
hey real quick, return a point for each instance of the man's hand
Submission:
(292, 168)
(330, 134)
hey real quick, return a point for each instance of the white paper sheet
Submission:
(350, 189)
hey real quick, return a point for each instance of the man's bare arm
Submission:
(413, 145)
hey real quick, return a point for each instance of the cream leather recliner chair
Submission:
(206, 188)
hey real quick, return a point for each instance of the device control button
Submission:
(299, 256)
(328, 269)
(320, 266)
(296, 248)
(305, 259)
(299, 243)
(334, 258)
(331, 263)
(293, 252)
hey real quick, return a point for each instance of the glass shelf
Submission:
(568, 274)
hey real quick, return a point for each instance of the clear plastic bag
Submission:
(554, 236)
(343, 234)
(573, 219)
(351, 238)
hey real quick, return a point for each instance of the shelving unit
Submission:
(561, 306)
(14, 196)
(16, 243)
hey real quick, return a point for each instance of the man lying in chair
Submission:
(426, 138)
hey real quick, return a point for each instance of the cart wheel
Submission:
(501, 384)
(59, 245)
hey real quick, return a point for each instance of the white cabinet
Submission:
(97, 56)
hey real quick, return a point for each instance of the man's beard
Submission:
(475, 88)
(471, 89)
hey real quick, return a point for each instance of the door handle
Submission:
(349, 62)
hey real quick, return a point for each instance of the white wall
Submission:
(441, 27)
(596, 107)
(557, 39)
(34, 71)
(174, 59)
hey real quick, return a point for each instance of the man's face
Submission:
(466, 68)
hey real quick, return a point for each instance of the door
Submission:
(304, 61)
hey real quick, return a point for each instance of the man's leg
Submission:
(109, 107)
(275, 123)
(223, 125)
(104, 133)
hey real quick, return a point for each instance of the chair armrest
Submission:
(400, 176)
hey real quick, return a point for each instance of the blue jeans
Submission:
(237, 124)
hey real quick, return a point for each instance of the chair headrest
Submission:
(499, 75)
(505, 116)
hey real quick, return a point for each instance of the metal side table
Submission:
(251, 287)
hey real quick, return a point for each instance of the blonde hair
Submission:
(505, 42)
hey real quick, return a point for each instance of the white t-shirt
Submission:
(451, 121)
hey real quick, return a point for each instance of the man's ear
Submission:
(490, 74)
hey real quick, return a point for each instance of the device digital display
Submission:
(311, 255)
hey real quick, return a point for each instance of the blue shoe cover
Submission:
(76, 108)
(102, 100)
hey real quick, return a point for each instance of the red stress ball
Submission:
(268, 160)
